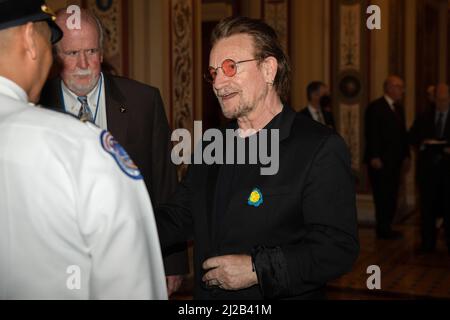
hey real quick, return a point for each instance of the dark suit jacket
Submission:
(328, 117)
(386, 135)
(302, 236)
(136, 118)
(424, 128)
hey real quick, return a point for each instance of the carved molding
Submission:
(111, 13)
(350, 76)
(350, 40)
(182, 73)
(350, 116)
(182, 67)
(276, 14)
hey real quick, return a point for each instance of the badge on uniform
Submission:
(256, 198)
(119, 154)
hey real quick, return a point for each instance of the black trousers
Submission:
(434, 187)
(385, 186)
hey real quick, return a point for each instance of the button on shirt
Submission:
(73, 106)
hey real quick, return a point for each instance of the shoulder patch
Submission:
(126, 164)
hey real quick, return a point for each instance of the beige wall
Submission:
(309, 46)
(149, 45)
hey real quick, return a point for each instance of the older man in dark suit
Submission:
(387, 150)
(430, 134)
(131, 111)
(279, 236)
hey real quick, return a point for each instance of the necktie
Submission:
(439, 125)
(320, 117)
(85, 113)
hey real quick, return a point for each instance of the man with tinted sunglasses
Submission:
(281, 236)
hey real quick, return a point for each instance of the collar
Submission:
(313, 110)
(389, 101)
(282, 121)
(12, 90)
(74, 105)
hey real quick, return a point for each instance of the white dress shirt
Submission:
(73, 223)
(390, 102)
(315, 114)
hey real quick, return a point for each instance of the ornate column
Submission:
(114, 17)
(350, 69)
(182, 58)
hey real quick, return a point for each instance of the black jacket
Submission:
(385, 133)
(303, 235)
(424, 128)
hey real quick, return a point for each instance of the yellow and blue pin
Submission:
(256, 198)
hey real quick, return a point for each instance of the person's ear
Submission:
(29, 40)
(270, 68)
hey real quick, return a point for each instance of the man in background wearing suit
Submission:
(131, 111)
(387, 151)
(318, 103)
(431, 135)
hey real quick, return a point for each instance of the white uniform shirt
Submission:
(96, 100)
(70, 216)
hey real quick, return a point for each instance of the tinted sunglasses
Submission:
(229, 68)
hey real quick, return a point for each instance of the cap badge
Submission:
(46, 9)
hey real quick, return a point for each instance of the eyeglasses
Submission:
(229, 68)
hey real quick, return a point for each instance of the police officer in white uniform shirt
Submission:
(76, 221)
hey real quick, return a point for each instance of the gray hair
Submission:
(87, 14)
(100, 29)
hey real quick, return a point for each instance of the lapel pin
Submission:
(256, 198)
(123, 110)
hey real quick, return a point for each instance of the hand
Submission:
(233, 272)
(173, 283)
(434, 142)
(376, 163)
